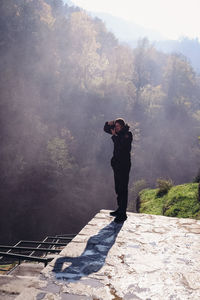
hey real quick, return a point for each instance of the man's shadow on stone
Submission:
(93, 257)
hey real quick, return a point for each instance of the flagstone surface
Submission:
(146, 257)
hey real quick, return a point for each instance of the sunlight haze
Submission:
(172, 18)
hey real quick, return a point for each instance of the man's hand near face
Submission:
(113, 131)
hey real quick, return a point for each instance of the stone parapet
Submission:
(146, 257)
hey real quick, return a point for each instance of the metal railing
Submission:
(36, 251)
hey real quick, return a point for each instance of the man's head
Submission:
(119, 124)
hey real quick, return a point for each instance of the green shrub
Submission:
(163, 185)
(181, 201)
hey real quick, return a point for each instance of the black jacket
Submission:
(122, 145)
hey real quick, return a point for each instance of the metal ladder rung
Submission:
(60, 238)
(30, 249)
(44, 243)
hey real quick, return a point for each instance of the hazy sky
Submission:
(172, 18)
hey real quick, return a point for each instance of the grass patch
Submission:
(181, 201)
(7, 267)
(150, 203)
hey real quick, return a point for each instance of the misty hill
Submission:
(180, 201)
(188, 47)
(69, 3)
(126, 31)
(130, 32)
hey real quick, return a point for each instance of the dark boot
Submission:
(120, 218)
(114, 213)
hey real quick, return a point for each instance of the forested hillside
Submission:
(62, 75)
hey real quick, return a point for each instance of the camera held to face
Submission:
(112, 126)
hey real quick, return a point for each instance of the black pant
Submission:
(121, 178)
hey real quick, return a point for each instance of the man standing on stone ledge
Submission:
(121, 164)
